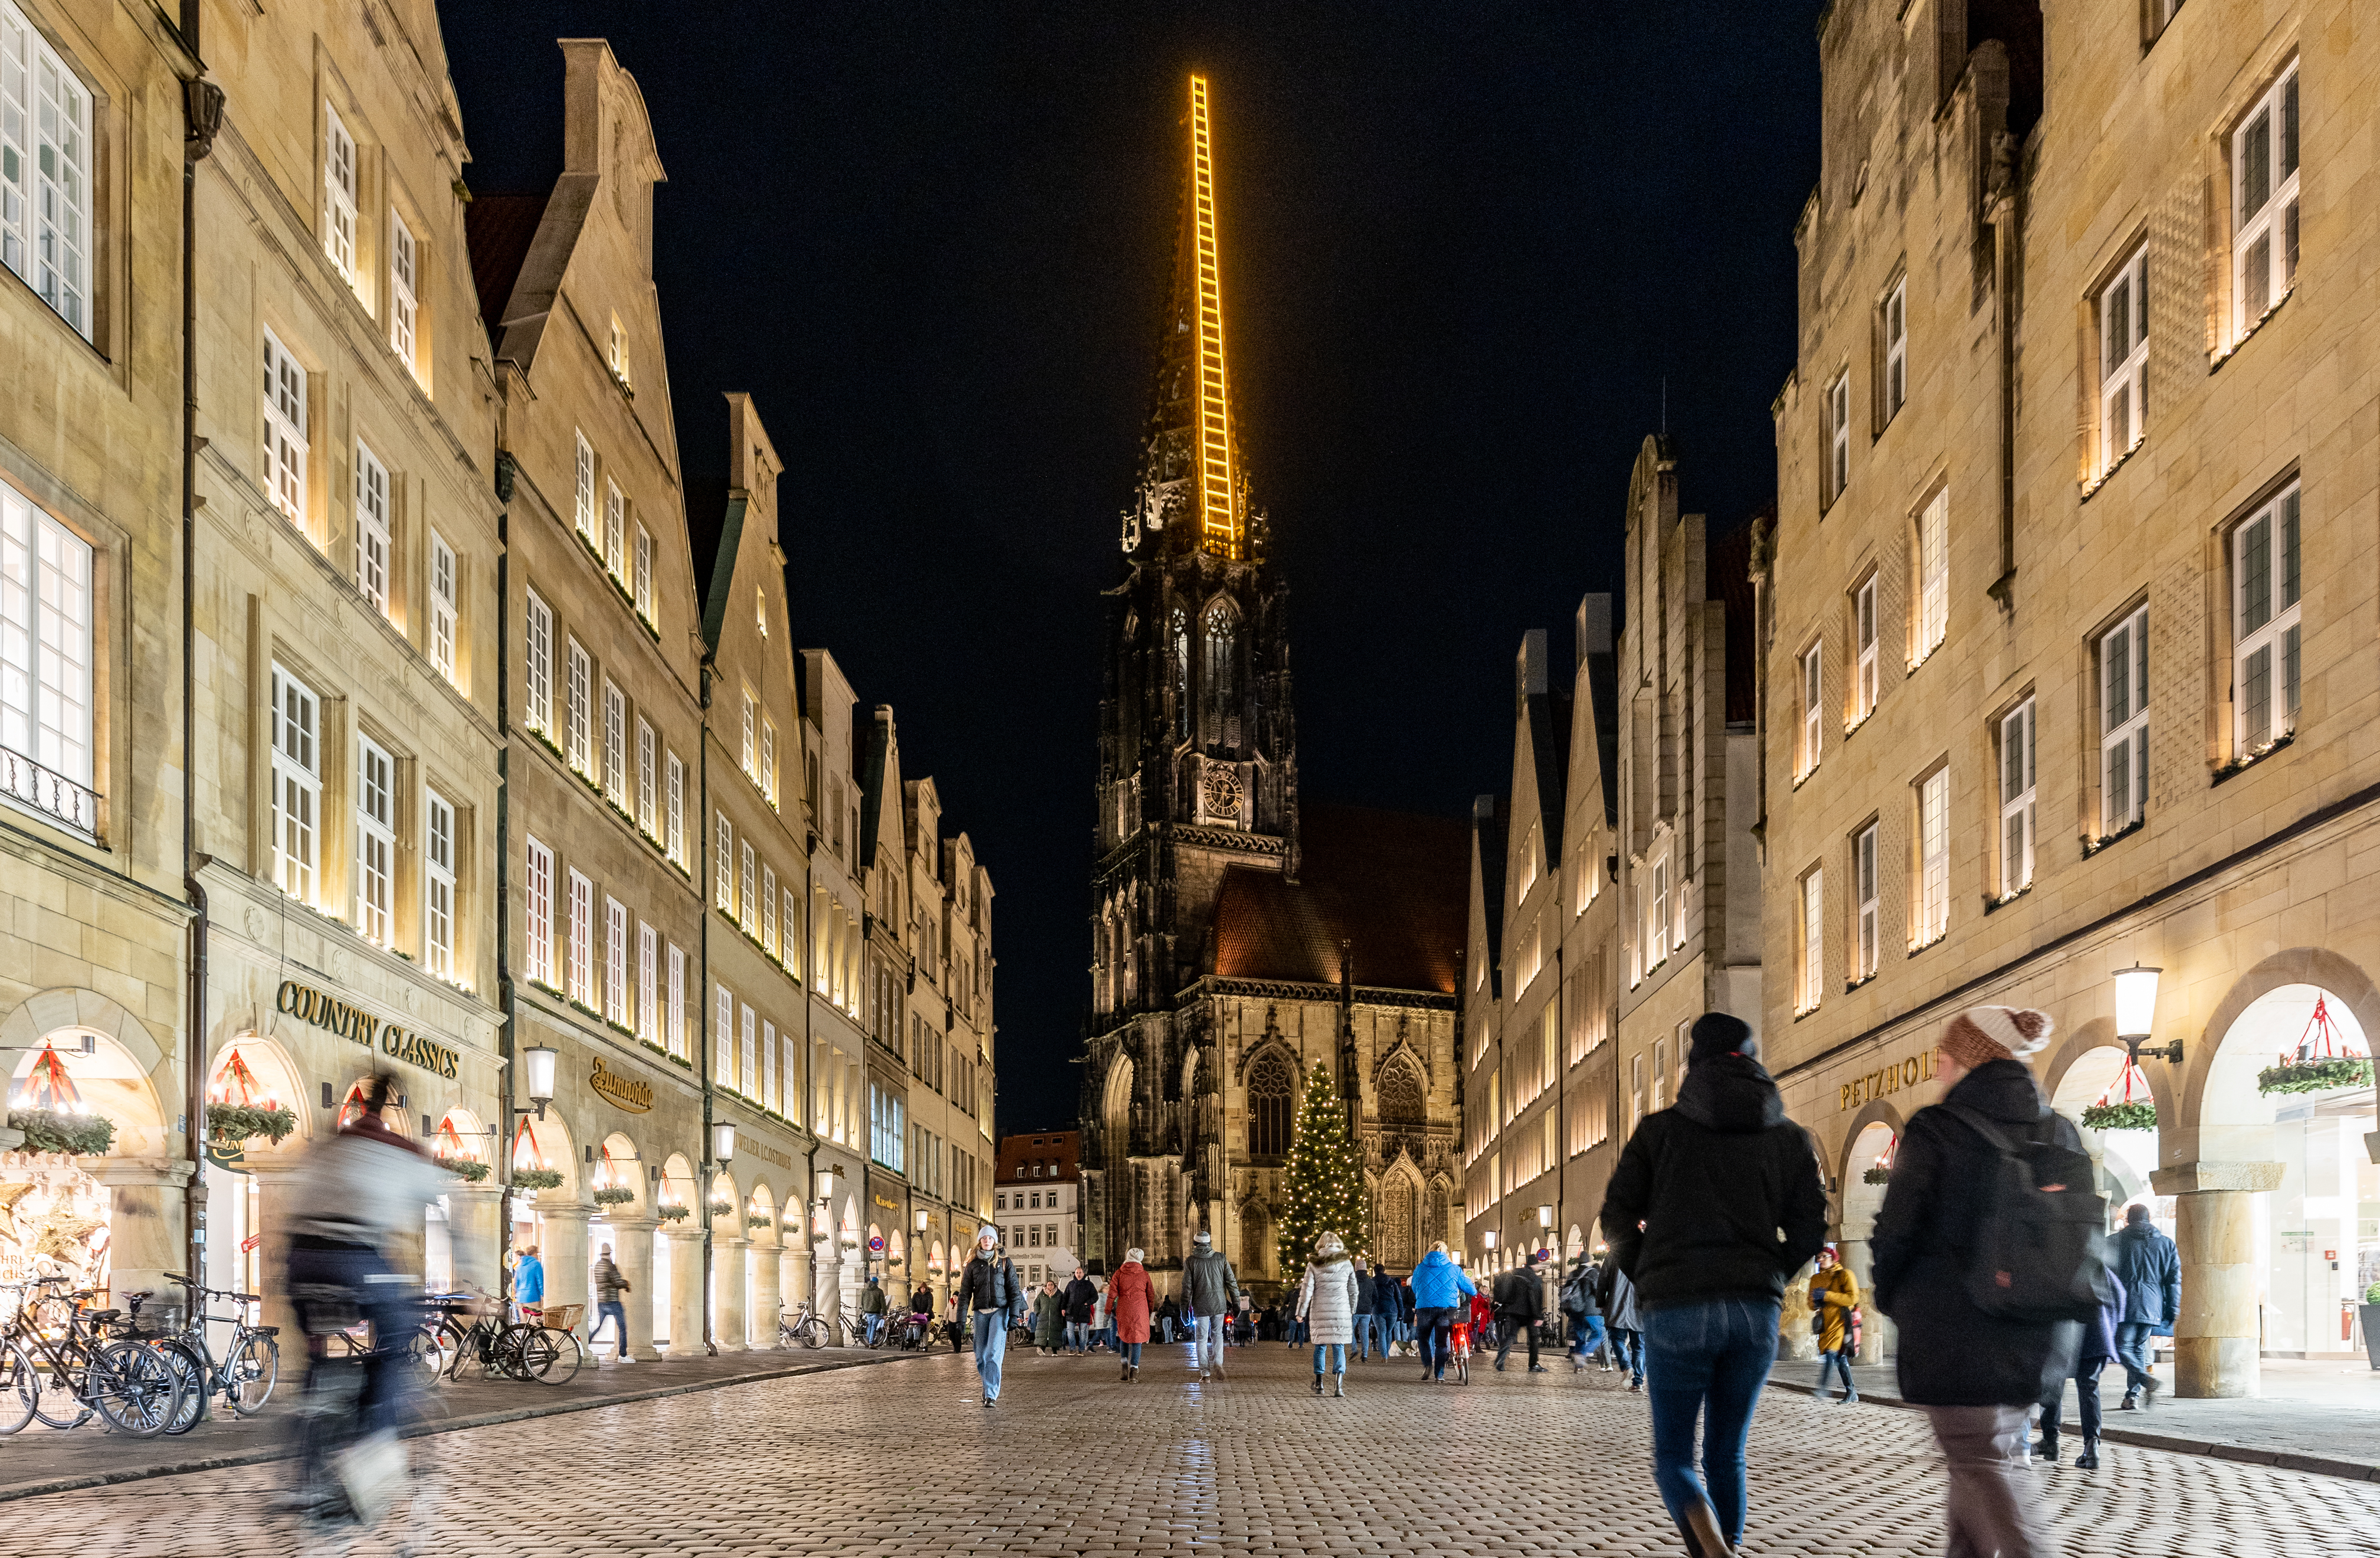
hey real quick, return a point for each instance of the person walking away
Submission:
(871, 1310)
(528, 1285)
(1103, 1319)
(1213, 1289)
(1048, 1319)
(1385, 1307)
(1167, 1314)
(2149, 1266)
(1441, 1294)
(1582, 1305)
(609, 1285)
(1834, 1300)
(1363, 1343)
(992, 1299)
(1953, 1236)
(1521, 1310)
(1326, 1302)
(1714, 1204)
(2097, 1350)
(1626, 1326)
(1130, 1297)
(1082, 1301)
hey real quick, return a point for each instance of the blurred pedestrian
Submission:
(609, 1285)
(1626, 1326)
(1130, 1297)
(1834, 1309)
(1326, 1302)
(871, 1310)
(2097, 1350)
(1581, 1305)
(1716, 1202)
(1213, 1289)
(1521, 1310)
(529, 1283)
(1363, 1310)
(1048, 1319)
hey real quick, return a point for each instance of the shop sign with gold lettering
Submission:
(1887, 1079)
(631, 1093)
(357, 1026)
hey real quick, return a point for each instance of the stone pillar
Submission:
(632, 1251)
(851, 1276)
(146, 1237)
(565, 1255)
(273, 1187)
(793, 1269)
(728, 1261)
(2216, 1337)
(476, 1242)
(830, 1286)
(686, 1290)
(768, 1274)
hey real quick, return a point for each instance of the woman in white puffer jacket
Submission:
(1325, 1301)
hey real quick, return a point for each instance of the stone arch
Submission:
(1115, 1107)
(2227, 1052)
(726, 1202)
(2085, 1064)
(1440, 1221)
(678, 1186)
(1272, 1084)
(124, 1078)
(762, 1201)
(548, 1143)
(459, 1133)
(1851, 1158)
(1573, 1243)
(618, 1163)
(259, 1065)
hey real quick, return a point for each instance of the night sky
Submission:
(1463, 243)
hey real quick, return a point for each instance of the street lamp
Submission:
(537, 1064)
(2136, 994)
(826, 1189)
(924, 1220)
(722, 1141)
(1544, 1216)
(1487, 1240)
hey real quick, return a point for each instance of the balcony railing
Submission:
(49, 794)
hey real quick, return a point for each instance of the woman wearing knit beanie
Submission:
(1977, 1375)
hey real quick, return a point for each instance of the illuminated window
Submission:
(1932, 617)
(404, 291)
(2265, 624)
(580, 972)
(646, 817)
(724, 886)
(376, 839)
(443, 618)
(616, 354)
(674, 839)
(371, 528)
(1813, 682)
(615, 529)
(677, 1001)
(760, 611)
(1864, 883)
(2123, 661)
(2016, 799)
(748, 913)
(338, 194)
(768, 926)
(648, 1025)
(296, 784)
(615, 744)
(540, 914)
(2124, 359)
(2265, 203)
(1896, 350)
(45, 149)
(1932, 916)
(438, 887)
(583, 497)
(723, 1041)
(615, 961)
(1270, 1089)
(751, 739)
(642, 586)
(1813, 941)
(284, 429)
(1838, 435)
(537, 663)
(581, 713)
(768, 775)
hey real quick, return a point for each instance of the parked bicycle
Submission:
(251, 1359)
(58, 1364)
(463, 1329)
(805, 1328)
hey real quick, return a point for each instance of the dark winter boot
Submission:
(2046, 1448)
(1339, 1386)
(1317, 1381)
(2089, 1459)
(1123, 1373)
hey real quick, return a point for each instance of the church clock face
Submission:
(1223, 786)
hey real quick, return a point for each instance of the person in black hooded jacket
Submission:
(1977, 1375)
(1714, 1204)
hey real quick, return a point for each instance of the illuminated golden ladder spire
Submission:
(1221, 525)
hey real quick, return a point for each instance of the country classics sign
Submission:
(630, 1093)
(1887, 1079)
(324, 1011)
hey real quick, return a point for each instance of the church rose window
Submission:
(1400, 1097)
(1269, 1088)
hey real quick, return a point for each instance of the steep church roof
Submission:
(1392, 883)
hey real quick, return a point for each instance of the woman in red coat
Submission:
(1131, 1296)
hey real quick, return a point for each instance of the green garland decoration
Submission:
(470, 1169)
(672, 1213)
(2315, 1076)
(234, 1122)
(537, 1179)
(614, 1195)
(1877, 1174)
(46, 1130)
(759, 1220)
(2134, 1114)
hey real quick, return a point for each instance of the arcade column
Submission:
(2215, 1338)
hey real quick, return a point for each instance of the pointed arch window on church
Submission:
(1271, 1088)
(1181, 654)
(1400, 1097)
(1223, 718)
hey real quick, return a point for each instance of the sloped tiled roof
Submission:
(1394, 884)
(500, 229)
(1059, 1151)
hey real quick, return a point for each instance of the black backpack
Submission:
(1578, 1293)
(2040, 1254)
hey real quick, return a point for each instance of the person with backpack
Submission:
(1714, 1203)
(1520, 1309)
(1582, 1305)
(1834, 1311)
(1988, 1249)
(2150, 1268)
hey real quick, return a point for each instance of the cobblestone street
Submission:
(901, 1459)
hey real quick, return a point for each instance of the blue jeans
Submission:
(1078, 1335)
(2132, 1352)
(1335, 1353)
(1830, 1364)
(1211, 1342)
(1714, 1355)
(874, 1324)
(1130, 1351)
(990, 1347)
(1435, 1327)
(1586, 1336)
(1628, 1350)
(617, 1313)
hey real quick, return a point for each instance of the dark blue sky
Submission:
(1463, 244)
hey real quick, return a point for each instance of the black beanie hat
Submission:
(1717, 1034)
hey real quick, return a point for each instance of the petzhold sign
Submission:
(631, 1093)
(1887, 1080)
(352, 1023)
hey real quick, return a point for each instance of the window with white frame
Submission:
(761, 611)
(789, 932)
(2123, 660)
(768, 761)
(615, 354)
(615, 961)
(541, 913)
(45, 664)
(1932, 916)
(647, 815)
(2265, 203)
(583, 495)
(675, 837)
(372, 527)
(580, 747)
(1657, 916)
(676, 1000)
(642, 586)
(1864, 886)
(615, 529)
(2016, 799)
(1896, 348)
(2124, 359)
(1864, 640)
(296, 784)
(751, 739)
(768, 928)
(45, 177)
(580, 974)
(438, 885)
(724, 889)
(443, 617)
(339, 194)
(649, 1026)
(615, 744)
(404, 291)
(284, 429)
(2265, 624)
(1838, 435)
(376, 839)
(1813, 941)
(748, 1055)
(723, 1041)
(1812, 681)
(1932, 622)
(537, 663)
(748, 914)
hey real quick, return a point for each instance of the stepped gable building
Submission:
(1237, 943)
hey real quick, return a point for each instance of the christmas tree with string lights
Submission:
(1325, 1181)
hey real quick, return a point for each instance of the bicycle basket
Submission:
(562, 1317)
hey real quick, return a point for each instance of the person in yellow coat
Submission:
(1834, 1309)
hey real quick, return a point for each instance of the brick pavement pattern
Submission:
(1073, 1462)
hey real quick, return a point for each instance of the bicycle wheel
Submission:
(531, 1351)
(561, 1365)
(134, 1388)
(20, 1387)
(54, 1401)
(811, 1333)
(1463, 1368)
(431, 1355)
(251, 1373)
(190, 1369)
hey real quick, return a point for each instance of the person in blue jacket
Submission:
(1441, 1294)
(2149, 1266)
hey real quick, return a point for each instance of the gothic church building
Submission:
(1240, 941)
